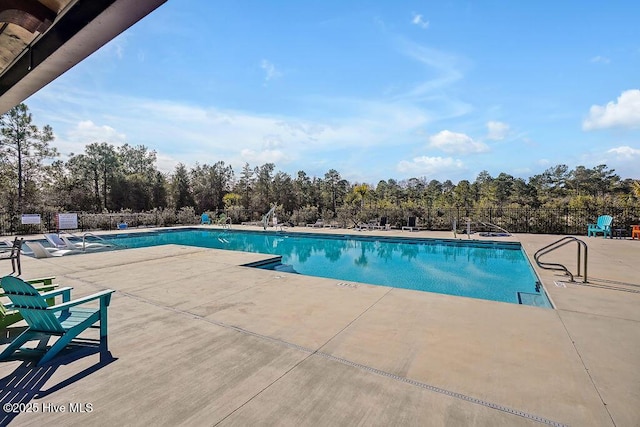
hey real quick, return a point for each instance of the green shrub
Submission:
(187, 216)
(305, 215)
(166, 217)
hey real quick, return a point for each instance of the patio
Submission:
(196, 339)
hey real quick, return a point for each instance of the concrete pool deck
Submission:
(196, 339)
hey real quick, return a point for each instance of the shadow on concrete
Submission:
(614, 285)
(22, 386)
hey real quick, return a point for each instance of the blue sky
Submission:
(373, 89)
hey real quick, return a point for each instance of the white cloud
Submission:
(166, 163)
(445, 67)
(419, 21)
(181, 132)
(522, 171)
(623, 113)
(625, 152)
(600, 60)
(452, 142)
(264, 156)
(497, 130)
(86, 132)
(624, 159)
(273, 141)
(116, 47)
(270, 70)
(425, 165)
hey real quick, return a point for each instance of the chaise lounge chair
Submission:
(332, 224)
(40, 251)
(603, 225)
(318, 223)
(382, 225)
(65, 320)
(56, 241)
(62, 242)
(411, 224)
(360, 226)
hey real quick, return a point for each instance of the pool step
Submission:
(537, 300)
(274, 264)
(285, 268)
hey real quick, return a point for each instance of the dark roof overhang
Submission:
(43, 43)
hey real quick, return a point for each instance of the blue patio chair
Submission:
(602, 226)
(64, 320)
(205, 219)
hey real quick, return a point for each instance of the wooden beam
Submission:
(28, 14)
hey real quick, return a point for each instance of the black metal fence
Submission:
(515, 220)
(528, 220)
(12, 224)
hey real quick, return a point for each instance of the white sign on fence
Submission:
(31, 219)
(67, 221)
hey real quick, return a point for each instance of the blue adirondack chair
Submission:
(205, 219)
(9, 315)
(64, 320)
(602, 226)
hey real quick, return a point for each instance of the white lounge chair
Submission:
(55, 241)
(63, 242)
(40, 251)
(360, 226)
(381, 225)
(411, 224)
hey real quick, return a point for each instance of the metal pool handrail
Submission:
(488, 224)
(560, 267)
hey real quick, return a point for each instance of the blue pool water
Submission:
(486, 270)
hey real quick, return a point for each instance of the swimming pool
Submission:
(496, 271)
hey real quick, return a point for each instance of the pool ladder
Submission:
(559, 267)
(468, 230)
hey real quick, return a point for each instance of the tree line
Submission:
(106, 178)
